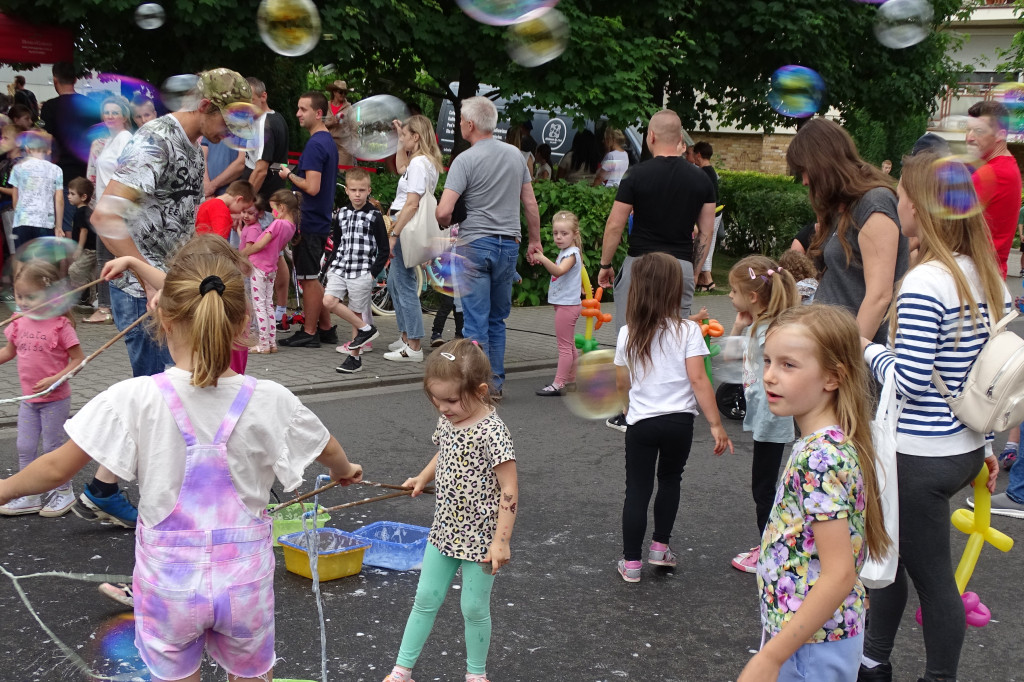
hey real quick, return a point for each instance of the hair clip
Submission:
(448, 356)
(474, 342)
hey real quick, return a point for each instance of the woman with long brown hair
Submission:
(858, 247)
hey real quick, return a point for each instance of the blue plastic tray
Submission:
(393, 545)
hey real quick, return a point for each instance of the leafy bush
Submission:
(762, 212)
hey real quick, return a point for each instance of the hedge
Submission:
(762, 214)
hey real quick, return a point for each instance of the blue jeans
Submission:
(1015, 491)
(485, 290)
(402, 287)
(146, 354)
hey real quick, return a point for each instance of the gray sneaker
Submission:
(658, 557)
(1004, 506)
(630, 575)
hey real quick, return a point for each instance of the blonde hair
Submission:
(773, 286)
(836, 336)
(43, 276)
(469, 368)
(941, 238)
(211, 323)
(655, 290)
(421, 125)
(574, 223)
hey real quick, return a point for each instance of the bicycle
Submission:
(428, 280)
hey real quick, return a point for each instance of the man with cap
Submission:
(339, 122)
(149, 211)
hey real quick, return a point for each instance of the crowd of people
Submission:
(890, 287)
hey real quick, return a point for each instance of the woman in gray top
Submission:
(859, 248)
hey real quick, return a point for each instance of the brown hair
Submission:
(655, 290)
(211, 323)
(241, 188)
(837, 338)
(926, 184)
(83, 187)
(468, 370)
(837, 177)
(43, 276)
(291, 201)
(997, 111)
(773, 286)
(574, 223)
(798, 264)
(357, 174)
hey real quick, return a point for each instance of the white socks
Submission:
(868, 662)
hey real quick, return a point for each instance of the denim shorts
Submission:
(836, 661)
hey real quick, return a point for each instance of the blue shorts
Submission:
(836, 661)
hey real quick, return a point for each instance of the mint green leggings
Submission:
(435, 578)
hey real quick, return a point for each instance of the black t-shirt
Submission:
(68, 119)
(667, 194)
(805, 235)
(713, 176)
(275, 151)
(81, 222)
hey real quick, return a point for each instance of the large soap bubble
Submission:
(796, 91)
(954, 190)
(289, 27)
(240, 118)
(502, 12)
(40, 289)
(112, 652)
(902, 23)
(179, 93)
(538, 38)
(442, 271)
(596, 395)
(149, 16)
(373, 136)
(1012, 97)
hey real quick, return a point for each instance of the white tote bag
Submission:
(878, 573)
(422, 240)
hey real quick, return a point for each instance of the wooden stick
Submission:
(21, 313)
(368, 500)
(302, 498)
(429, 489)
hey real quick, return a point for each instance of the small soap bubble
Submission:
(502, 12)
(149, 16)
(953, 124)
(240, 118)
(596, 395)
(796, 91)
(36, 278)
(179, 93)
(289, 27)
(954, 189)
(537, 38)
(1012, 97)
(727, 363)
(374, 136)
(902, 23)
(112, 652)
(442, 271)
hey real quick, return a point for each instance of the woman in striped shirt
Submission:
(939, 321)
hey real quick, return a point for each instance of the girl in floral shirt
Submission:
(827, 516)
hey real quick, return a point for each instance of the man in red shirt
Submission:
(997, 182)
(216, 215)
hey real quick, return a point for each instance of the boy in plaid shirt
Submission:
(360, 251)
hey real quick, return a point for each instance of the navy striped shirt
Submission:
(929, 319)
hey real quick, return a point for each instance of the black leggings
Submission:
(445, 306)
(764, 480)
(659, 444)
(926, 485)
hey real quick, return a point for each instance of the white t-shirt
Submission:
(663, 387)
(565, 290)
(106, 162)
(419, 177)
(130, 430)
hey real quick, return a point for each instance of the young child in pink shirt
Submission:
(262, 247)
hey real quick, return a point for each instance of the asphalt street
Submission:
(560, 611)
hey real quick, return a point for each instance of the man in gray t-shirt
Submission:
(493, 180)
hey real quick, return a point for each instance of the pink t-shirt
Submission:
(266, 258)
(42, 347)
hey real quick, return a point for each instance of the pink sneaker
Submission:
(747, 561)
(661, 555)
(365, 348)
(630, 570)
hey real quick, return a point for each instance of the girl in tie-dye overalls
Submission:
(204, 560)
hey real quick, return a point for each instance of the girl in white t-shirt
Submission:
(564, 295)
(659, 359)
(205, 462)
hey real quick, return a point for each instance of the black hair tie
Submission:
(212, 282)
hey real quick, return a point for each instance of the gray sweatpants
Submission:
(621, 290)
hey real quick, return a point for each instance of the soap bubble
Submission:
(1012, 97)
(149, 16)
(179, 93)
(112, 650)
(902, 23)
(373, 137)
(502, 12)
(537, 38)
(954, 192)
(240, 118)
(42, 289)
(111, 217)
(289, 27)
(596, 395)
(727, 364)
(796, 91)
(442, 271)
(953, 124)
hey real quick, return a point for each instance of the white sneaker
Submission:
(30, 504)
(365, 348)
(395, 346)
(60, 503)
(405, 355)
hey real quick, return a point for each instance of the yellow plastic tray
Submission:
(341, 554)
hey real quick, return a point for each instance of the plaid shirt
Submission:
(360, 242)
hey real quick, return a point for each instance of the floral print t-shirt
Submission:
(822, 482)
(468, 493)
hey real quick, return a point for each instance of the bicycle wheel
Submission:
(380, 299)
